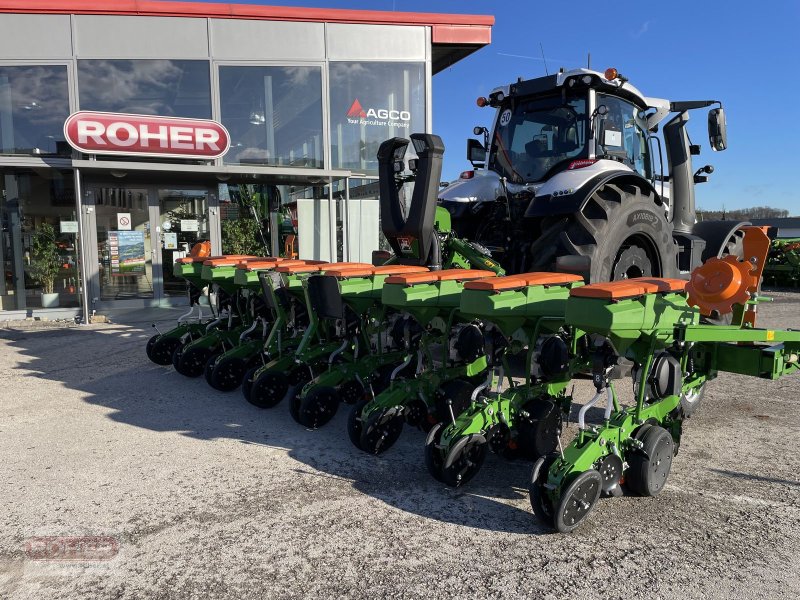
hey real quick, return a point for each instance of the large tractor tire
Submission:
(624, 234)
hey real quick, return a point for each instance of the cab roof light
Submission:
(481, 101)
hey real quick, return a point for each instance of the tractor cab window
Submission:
(534, 136)
(622, 135)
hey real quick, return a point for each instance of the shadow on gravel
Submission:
(110, 367)
(751, 477)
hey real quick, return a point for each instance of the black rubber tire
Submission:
(228, 374)
(379, 432)
(619, 224)
(577, 500)
(470, 452)
(540, 503)
(318, 406)
(209, 367)
(176, 356)
(193, 361)
(161, 349)
(354, 422)
(690, 403)
(434, 459)
(268, 389)
(538, 434)
(649, 468)
(247, 381)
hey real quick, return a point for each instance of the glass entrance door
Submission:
(140, 230)
(183, 219)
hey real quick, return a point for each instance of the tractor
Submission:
(572, 178)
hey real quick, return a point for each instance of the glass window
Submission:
(170, 88)
(622, 134)
(534, 136)
(274, 115)
(38, 240)
(34, 103)
(371, 102)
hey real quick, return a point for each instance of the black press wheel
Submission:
(247, 381)
(318, 406)
(268, 389)
(540, 430)
(192, 361)
(577, 500)
(228, 373)
(160, 349)
(434, 457)
(176, 356)
(209, 368)
(648, 469)
(381, 430)
(149, 347)
(540, 502)
(464, 459)
(354, 427)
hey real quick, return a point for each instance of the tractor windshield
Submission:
(534, 136)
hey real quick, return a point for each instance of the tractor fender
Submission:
(716, 235)
(573, 200)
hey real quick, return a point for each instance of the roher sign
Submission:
(146, 135)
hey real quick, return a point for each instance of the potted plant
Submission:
(45, 262)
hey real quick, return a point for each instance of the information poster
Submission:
(126, 249)
(170, 241)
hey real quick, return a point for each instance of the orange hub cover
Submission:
(720, 283)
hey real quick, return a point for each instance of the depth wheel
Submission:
(209, 368)
(540, 502)
(160, 350)
(578, 500)
(381, 431)
(691, 400)
(464, 459)
(268, 389)
(539, 432)
(351, 391)
(149, 347)
(434, 458)
(354, 423)
(228, 374)
(193, 361)
(247, 381)
(649, 468)
(318, 406)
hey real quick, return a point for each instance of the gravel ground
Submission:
(207, 496)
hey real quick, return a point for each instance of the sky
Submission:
(744, 54)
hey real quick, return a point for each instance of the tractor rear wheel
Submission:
(623, 233)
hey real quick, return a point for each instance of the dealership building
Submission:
(132, 129)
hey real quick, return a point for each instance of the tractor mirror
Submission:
(717, 129)
(476, 153)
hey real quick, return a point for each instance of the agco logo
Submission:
(377, 116)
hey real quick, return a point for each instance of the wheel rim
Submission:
(355, 423)
(318, 407)
(227, 375)
(351, 391)
(464, 460)
(660, 464)
(381, 432)
(633, 260)
(578, 500)
(193, 361)
(268, 390)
